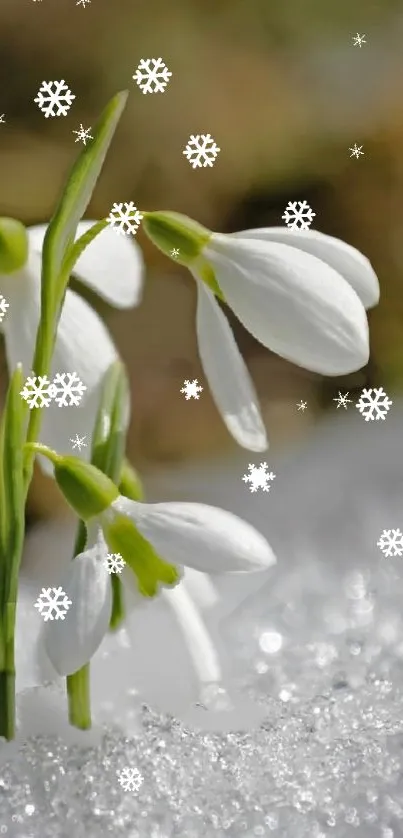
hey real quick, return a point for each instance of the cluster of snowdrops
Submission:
(302, 294)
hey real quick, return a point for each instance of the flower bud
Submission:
(88, 491)
(13, 245)
(171, 230)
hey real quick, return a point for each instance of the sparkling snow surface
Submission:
(317, 644)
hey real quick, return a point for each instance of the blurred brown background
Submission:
(285, 93)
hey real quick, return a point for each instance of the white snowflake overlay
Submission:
(4, 305)
(356, 151)
(114, 563)
(191, 389)
(342, 401)
(53, 604)
(54, 98)
(201, 151)
(124, 218)
(130, 779)
(374, 406)
(152, 75)
(259, 478)
(298, 218)
(359, 40)
(78, 442)
(391, 543)
(83, 134)
(38, 391)
(68, 392)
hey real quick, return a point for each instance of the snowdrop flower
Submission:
(87, 584)
(156, 542)
(110, 266)
(301, 294)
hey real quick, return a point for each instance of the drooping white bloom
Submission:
(71, 643)
(156, 542)
(110, 266)
(292, 302)
(353, 266)
(299, 293)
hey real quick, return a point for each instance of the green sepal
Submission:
(13, 245)
(205, 272)
(172, 230)
(122, 537)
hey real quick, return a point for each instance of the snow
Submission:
(315, 643)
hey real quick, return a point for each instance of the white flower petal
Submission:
(228, 377)
(71, 643)
(83, 345)
(199, 536)
(293, 303)
(111, 265)
(354, 267)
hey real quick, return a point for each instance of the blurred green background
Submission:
(285, 94)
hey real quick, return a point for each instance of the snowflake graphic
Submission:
(70, 392)
(342, 401)
(54, 98)
(3, 307)
(298, 219)
(124, 221)
(2, 120)
(175, 252)
(201, 151)
(152, 75)
(391, 543)
(53, 604)
(359, 40)
(83, 134)
(38, 391)
(259, 478)
(302, 405)
(130, 779)
(356, 151)
(191, 389)
(374, 406)
(78, 442)
(114, 563)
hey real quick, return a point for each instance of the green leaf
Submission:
(79, 188)
(13, 438)
(109, 436)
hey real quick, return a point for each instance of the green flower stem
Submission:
(118, 607)
(78, 684)
(41, 365)
(7, 674)
(79, 700)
